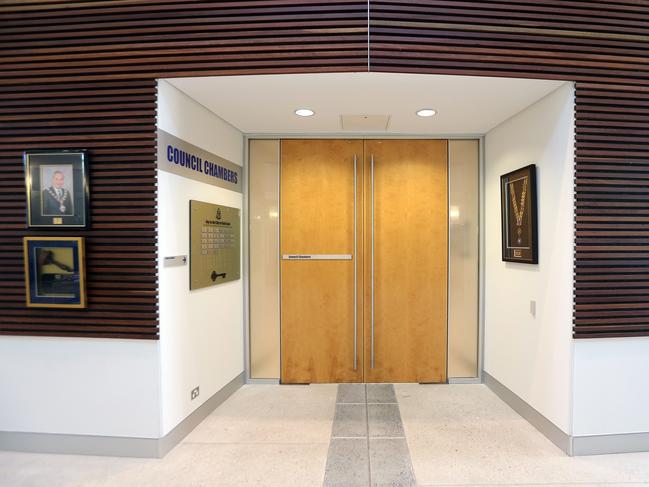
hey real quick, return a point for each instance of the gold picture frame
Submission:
(54, 272)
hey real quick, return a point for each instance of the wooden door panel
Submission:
(410, 261)
(317, 297)
(317, 322)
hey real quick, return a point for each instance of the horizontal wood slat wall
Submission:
(604, 47)
(83, 75)
(116, 123)
(141, 39)
(612, 211)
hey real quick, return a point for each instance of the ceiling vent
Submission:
(364, 123)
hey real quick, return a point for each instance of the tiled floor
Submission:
(457, 435)
(368, 444)
(465, 435)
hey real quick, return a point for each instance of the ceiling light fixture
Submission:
(304, 112)
(426, 112)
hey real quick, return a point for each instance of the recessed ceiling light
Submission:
(304, 112)
(426, 112)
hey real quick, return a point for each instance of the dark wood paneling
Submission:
(126, 40)
(82, 75)
(118, 128)
(611, 210)
(604, 47)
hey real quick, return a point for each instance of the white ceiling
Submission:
(264, 104)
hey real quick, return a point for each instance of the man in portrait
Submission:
(57, 200)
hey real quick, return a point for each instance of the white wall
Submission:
(139, 388)
(84, 386)
(533, 356)
(611, 394)
(201, 332)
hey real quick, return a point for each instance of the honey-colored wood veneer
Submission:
(317, 297)
(410, 260)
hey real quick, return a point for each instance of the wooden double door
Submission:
(364, 260)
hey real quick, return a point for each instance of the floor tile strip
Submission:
(384, 420)
(347, 462)
(350, 421)
(367, 432)
(391, 465)
(368, 445)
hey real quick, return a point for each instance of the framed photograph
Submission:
(57, 188)
(55, 272)
(519, 220)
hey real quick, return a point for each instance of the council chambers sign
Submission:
(184, 159)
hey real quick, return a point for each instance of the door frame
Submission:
(245, 238)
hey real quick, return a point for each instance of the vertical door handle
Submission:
(372, 263)
(355, 278)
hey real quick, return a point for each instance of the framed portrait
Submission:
(519, 217)
(55, 272)
(57, 188)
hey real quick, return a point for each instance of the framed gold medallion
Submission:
(54, 272)
(519, 216)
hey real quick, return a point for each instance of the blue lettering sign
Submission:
(191, 161)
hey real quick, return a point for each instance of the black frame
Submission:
(525, 254)
(33, 161)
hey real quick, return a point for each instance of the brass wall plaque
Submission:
(215, 244)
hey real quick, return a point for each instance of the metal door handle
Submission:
(372, 263)
(355, 278)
